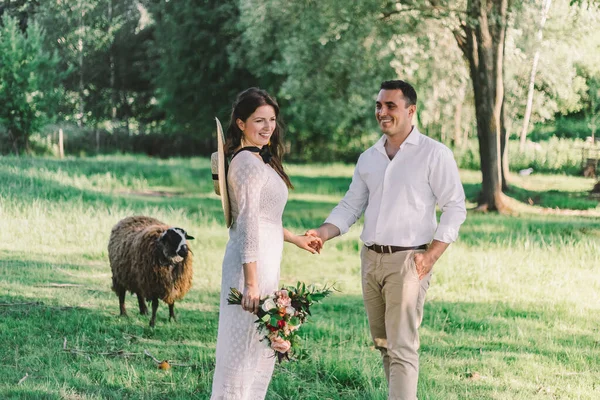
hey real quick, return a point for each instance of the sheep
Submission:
(152, 260)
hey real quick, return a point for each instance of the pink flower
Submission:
(283, 299)
(279, 344)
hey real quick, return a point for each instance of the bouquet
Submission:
(282, 313)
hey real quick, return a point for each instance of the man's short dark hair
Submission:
(410, 95)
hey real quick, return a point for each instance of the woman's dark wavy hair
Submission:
(246, 103)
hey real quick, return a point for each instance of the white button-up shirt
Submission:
(398, 196)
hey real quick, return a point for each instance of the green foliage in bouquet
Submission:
(282, 313)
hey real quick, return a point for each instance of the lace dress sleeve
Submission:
(247, 178)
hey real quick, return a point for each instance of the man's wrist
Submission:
(328, 231)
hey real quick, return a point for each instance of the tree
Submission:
(28, 82)
(480, 35)
(534, 64)
(317, 48)
(22, 10)
(325, 69)
(481, 38)
(326, 100)
(196, 79)
(592, 112)
(569, 50)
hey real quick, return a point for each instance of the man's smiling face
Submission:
(392, 113)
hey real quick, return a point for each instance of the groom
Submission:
(397, 184)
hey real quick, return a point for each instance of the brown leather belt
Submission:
(377, 248)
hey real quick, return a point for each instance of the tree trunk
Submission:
(114, 95)
(80, 49)
(97, 132)
(530, 91)
(460, 99)
(482, 43)
(466, 133)
(61, 144)
(15, 141)
(504, 135)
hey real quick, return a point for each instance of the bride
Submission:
(258, 191)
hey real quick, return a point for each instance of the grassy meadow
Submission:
(513, 311)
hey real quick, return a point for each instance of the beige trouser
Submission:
(394, 299)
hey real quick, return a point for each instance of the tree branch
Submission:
(435, 11)
(165, 364)
(461, 39)
(34, 303)
(23, 378)
(117, 353)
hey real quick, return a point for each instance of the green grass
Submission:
(513, 311)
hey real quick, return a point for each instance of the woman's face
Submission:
(259, 126)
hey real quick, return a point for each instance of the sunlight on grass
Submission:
(512, 313)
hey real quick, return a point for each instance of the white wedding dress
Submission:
(258, 195)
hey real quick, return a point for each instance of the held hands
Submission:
(310, 243)
(251, 298)
(316, 245)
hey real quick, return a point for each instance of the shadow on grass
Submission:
(343, 364)
(32, 190)
(458, 338)
(547, 199)
(303, 214)
(69, 343)
(178, 172)
(91, 351)
(507, 343)
(321, 185)
(554, 198)
(190, 179)
(482, 229)
(299, 213)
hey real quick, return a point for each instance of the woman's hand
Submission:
(309, 243)
(251, 298)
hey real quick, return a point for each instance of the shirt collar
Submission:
(414, 137)
(380, 144)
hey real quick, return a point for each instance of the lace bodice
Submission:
(257, 194)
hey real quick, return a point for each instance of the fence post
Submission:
(61, 148)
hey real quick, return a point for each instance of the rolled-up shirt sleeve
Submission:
(352, 206)
(450, 195)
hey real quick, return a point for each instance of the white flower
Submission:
(268, 305)
(290, 310)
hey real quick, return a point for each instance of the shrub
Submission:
(556, 155)
(564, 128)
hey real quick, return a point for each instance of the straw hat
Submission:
(218, 165)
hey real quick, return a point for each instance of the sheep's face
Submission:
(174, 244)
